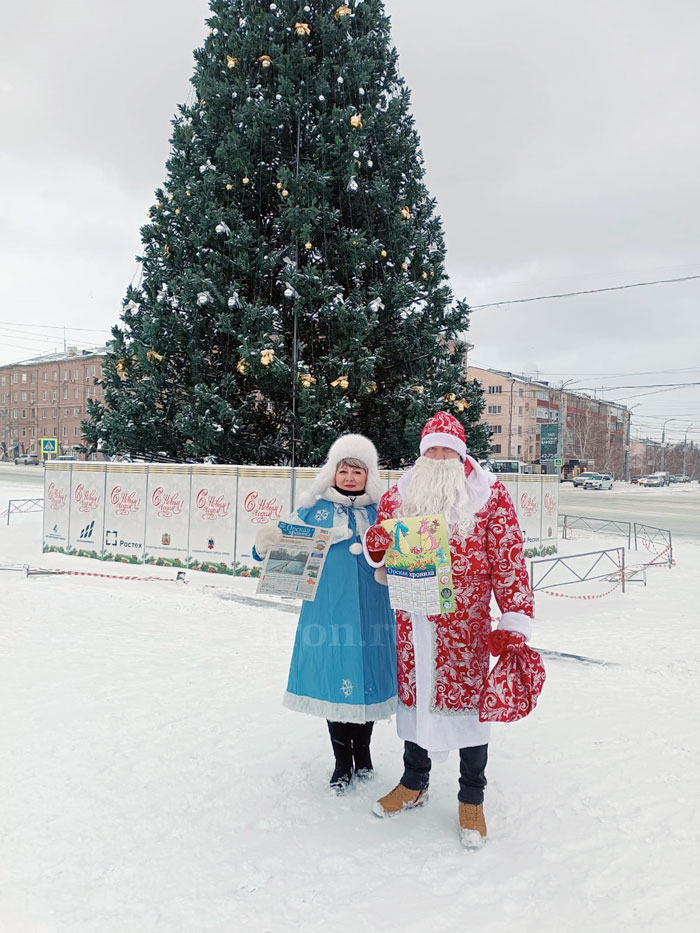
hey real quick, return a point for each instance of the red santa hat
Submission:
(443, 430)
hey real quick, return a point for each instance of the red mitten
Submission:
(377, 541)
(501, 638)
(515, 683)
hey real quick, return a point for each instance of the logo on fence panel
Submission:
(86, 532)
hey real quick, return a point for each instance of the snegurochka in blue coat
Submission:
(344, 661)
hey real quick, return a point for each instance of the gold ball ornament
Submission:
(406, 213)
(245, 180)
(279, 186)
(285, 193)
(120, 368)
(372, 387)
(308, 245)
(177, 210)
(242, 367)
(188, 194)
(302, 29)
(342, 12)
(450, 397)
(384, 254)
(266, 357)
(356, 122)
(229, 187)
(404, 266)
(424, 275)
(231, 62)
(265, 61)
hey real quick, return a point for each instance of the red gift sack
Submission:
(515, 683)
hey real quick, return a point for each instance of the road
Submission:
(17, 477)
(675, 508)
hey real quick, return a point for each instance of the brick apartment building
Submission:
(47, 397)
(595, 432)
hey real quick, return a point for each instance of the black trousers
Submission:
(472, 767)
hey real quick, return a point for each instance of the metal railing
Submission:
(611, 526)
(655, 536)
(596, 567)
(21, 506)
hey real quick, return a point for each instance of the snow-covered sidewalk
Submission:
(151, 780)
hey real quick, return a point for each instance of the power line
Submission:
(90, 330)
(588, 291)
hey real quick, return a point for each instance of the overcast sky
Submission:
(561, 140)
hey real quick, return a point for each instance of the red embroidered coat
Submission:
(489, 560)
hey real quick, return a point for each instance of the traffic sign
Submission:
(49, 445)
(558, 462)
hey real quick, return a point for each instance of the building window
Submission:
(66, 412)
(65, 431)
(494, 409)
(43, 412)
(520, 429)
(24, 377)
(75, 393)
(24, 412)
(496, 448)
(76, 412)
(44, 377)
(75, 431)
(24, 396)
(495, 390)
(496, 428)
(520, 449)
(55, 375)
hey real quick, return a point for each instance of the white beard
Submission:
(440, 486)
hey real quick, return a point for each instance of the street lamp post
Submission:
(685, 446)
(663, 440)
(561, 418)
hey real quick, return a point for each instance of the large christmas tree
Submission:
(293, 282)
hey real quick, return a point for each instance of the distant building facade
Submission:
(520, 411)
(47, 397)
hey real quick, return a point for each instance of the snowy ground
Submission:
(151, 781)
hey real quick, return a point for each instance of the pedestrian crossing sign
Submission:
(558, 462)
(49, 445)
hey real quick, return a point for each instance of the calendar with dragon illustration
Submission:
(418, 565)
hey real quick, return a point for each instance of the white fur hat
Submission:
(348, 445)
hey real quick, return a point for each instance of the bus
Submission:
(506, 465)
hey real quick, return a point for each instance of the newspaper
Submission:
(294, 566)
(418, 565)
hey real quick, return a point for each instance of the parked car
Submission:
(654, 480)
(680, 478)
(28, 460)
(582, 477)
(639, 480)
(598, 481)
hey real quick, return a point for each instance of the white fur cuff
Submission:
(516, 622)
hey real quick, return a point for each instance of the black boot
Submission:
(341, 739)
(361, 737)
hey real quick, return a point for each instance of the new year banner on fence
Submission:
(206, 516)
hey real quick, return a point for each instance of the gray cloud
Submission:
(561, 141)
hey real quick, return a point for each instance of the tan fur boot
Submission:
(472, 825)
(399, 799)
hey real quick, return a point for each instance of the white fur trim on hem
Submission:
(372, 563)
(516, 622)
(339, 712)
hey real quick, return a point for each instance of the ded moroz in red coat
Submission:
(490, 560)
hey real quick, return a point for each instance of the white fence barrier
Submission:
(206, 517)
